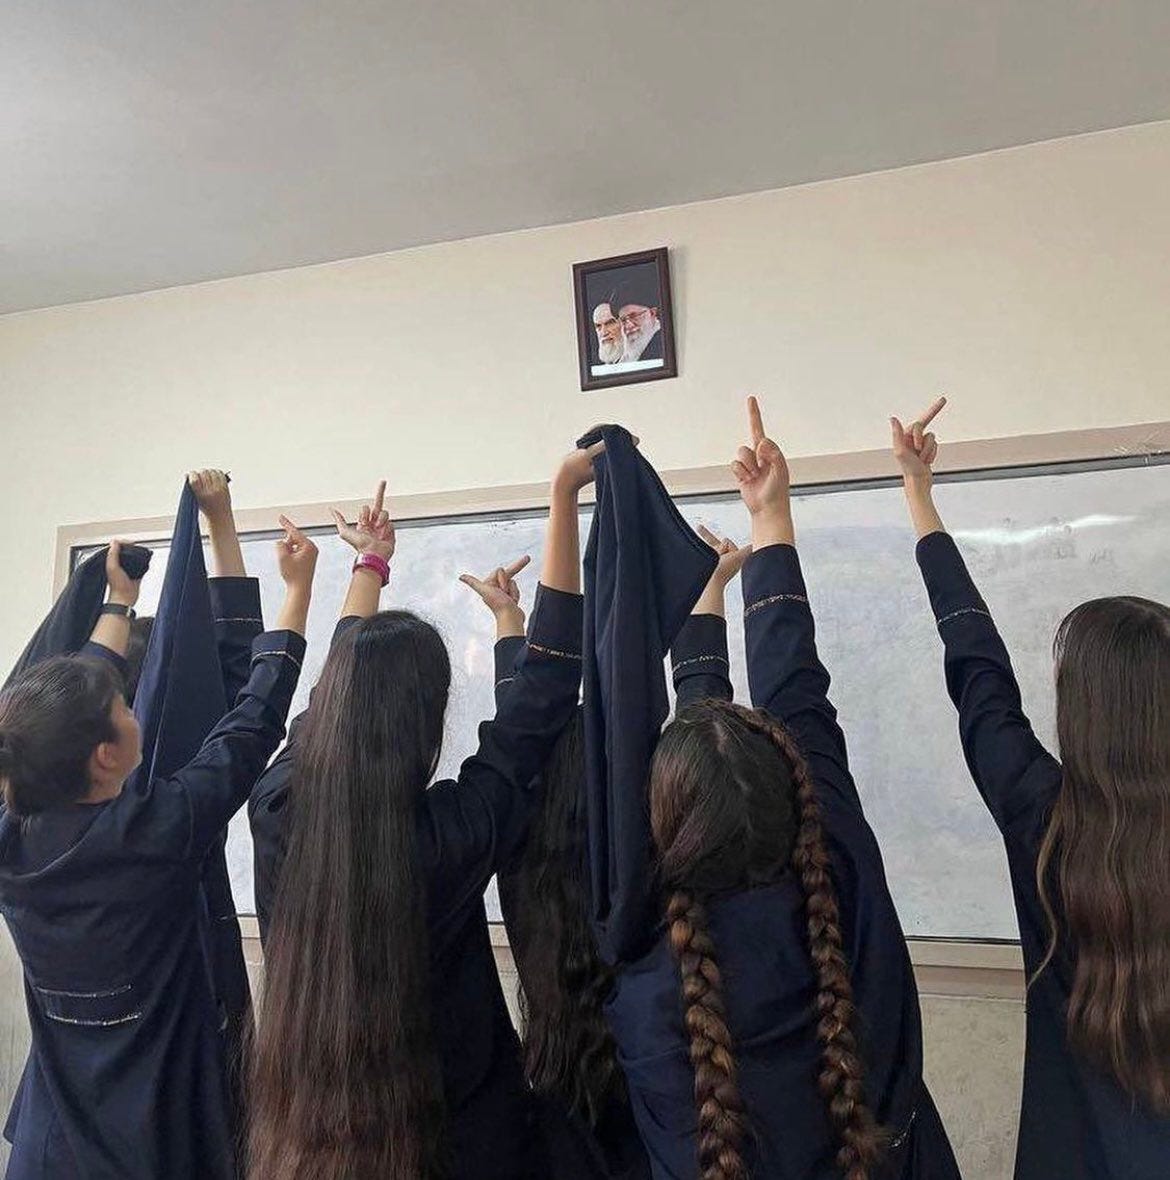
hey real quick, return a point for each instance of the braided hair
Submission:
(721, 825)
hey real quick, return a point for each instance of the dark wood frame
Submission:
(669, 367)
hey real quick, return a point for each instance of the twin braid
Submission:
(722, 1120)
(841, 1077)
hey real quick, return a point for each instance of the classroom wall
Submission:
(1030, 284)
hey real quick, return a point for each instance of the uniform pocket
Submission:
(102, 1008)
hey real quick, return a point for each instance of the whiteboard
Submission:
(1037, 542)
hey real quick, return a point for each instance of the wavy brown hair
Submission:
(1106, 851)
(732, 807)
(569, 1051)
(345, 1080)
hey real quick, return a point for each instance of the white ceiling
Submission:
(146, 143)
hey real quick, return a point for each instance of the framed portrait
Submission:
(625, 327)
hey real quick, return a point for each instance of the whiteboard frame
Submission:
(980, 968)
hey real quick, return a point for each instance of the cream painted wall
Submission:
(1031, 284)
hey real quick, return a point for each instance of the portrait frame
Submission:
(644, 268)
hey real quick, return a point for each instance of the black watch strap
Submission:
(118, 608)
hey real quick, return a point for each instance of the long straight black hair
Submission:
(569, 1052)
(1104, 865)
(345, 1080)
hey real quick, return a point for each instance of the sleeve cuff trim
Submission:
(966, 610)
(284, 654)
(700, 660)
(552, 651)
(771, 600)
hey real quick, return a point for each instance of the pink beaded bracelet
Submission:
(375, 564)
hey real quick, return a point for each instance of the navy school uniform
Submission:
(639, 565)
(197, 661)
(238, 622)
(1075, 1122)
(698, 661)
(125, 1079)
(763, 952)
(195, 664)
(468, 828)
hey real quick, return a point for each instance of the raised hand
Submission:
(731, 556)
(296, 555)
(761, 469)
(731, 559)
(214, 497)
(576, 469)
(914, 446)
(764, 484)
(212, 492)
(498, 590)
(373, 532)
(916, 449)
(122, 588)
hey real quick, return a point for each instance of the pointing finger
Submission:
(755, 420)
(932, 411)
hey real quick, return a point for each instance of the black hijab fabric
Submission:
(644, 570)
(69, 624)
(180, 693)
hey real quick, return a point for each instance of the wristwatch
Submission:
(118, 608)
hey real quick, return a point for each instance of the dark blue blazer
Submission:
(126, 1077)
(198, 659)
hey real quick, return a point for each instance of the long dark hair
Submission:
(52, 717)
(1107, 845)
(345, 1079)
(568, 1049)
(732, 806)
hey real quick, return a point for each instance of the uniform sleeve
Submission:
(236, 613)
(476, 823)
(99, 651)
(506, 656)
(1014, 773)
(785, 674)
(268, 821)
(699, 662)
(217, 781)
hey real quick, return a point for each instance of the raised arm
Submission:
(1015, 775)
(372, 537)
(481, 819)
(235, 598)
(500, 593)
(110, 637)
(785, 674)
(698, 656)
(218, 779)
